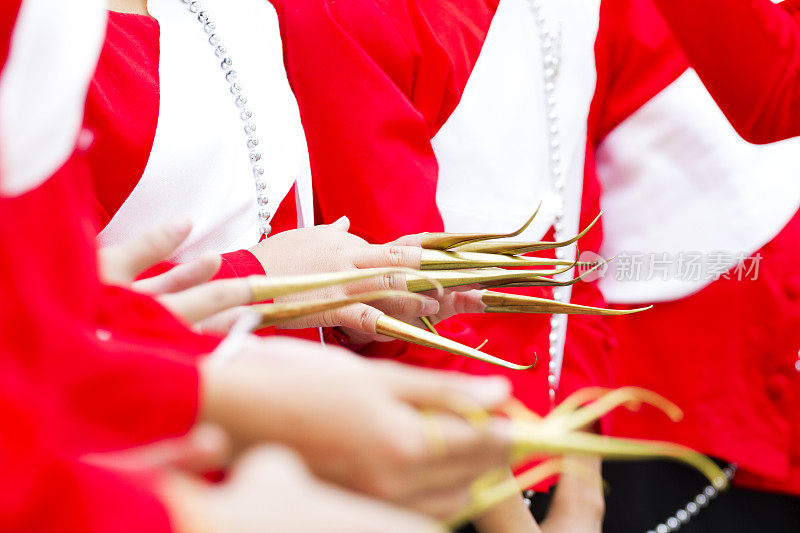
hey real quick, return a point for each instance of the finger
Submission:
(268, 462)
(342, 224)
(121, 264)
(204, 301)
(406, 307)
(366, 515)
(468, 453)
(206, 448)
(456, 303)
(441, 504)
(393, 281)
(389, 255)
(409, 240)
(360, 317)
(221, 323)
(437, 390)
(477, 448)
(181, 277)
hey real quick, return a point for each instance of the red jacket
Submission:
(83, 367)
(728, 354)
(374, 85)
(748, 55)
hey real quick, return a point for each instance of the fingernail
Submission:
(488, 391)
(180, 227)
(430, 307)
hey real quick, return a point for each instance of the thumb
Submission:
(122, 263)
(342, 224)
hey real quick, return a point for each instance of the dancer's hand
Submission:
(184, 289)
(578, 504)
(330, 248)
(270, 487)
(358, 423)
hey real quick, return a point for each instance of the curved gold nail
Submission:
(516, 248)
(266, 288)
(443, 260)
(280, 313)
(397, 329)
(558, 434)
(630, 397)
(532, 441)
(498, 302)
(447, 241)
(489, 277)
(546, 282)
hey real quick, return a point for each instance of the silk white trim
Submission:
(493, 150)
(54, 51)
(199, 164)
(679, 180)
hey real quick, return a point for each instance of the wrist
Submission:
(239, 399)
(580, 489)
(188, 504)
(584, 503)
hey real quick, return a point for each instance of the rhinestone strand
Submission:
(246, 114)
(693, 508)
(551, 59)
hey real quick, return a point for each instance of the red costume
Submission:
(374, 86)
(679, 182)
(748, 55)
(85, 368)
(413, 65)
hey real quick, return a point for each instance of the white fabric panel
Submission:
(493, 150)
(199, 164)
(679, 180)
(54, 51)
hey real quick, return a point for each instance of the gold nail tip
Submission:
(447, 241)
(516, 248)
(446, 260)
(645, 396)
(397, 329)
(558, 308)
(609, 399)
(530, 441)
(484, 277)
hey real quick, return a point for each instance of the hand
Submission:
(578, 505)
(271, 489)
(183, 289)
(205, 448)
(331, 248)
(357, 422)
(509, 516)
